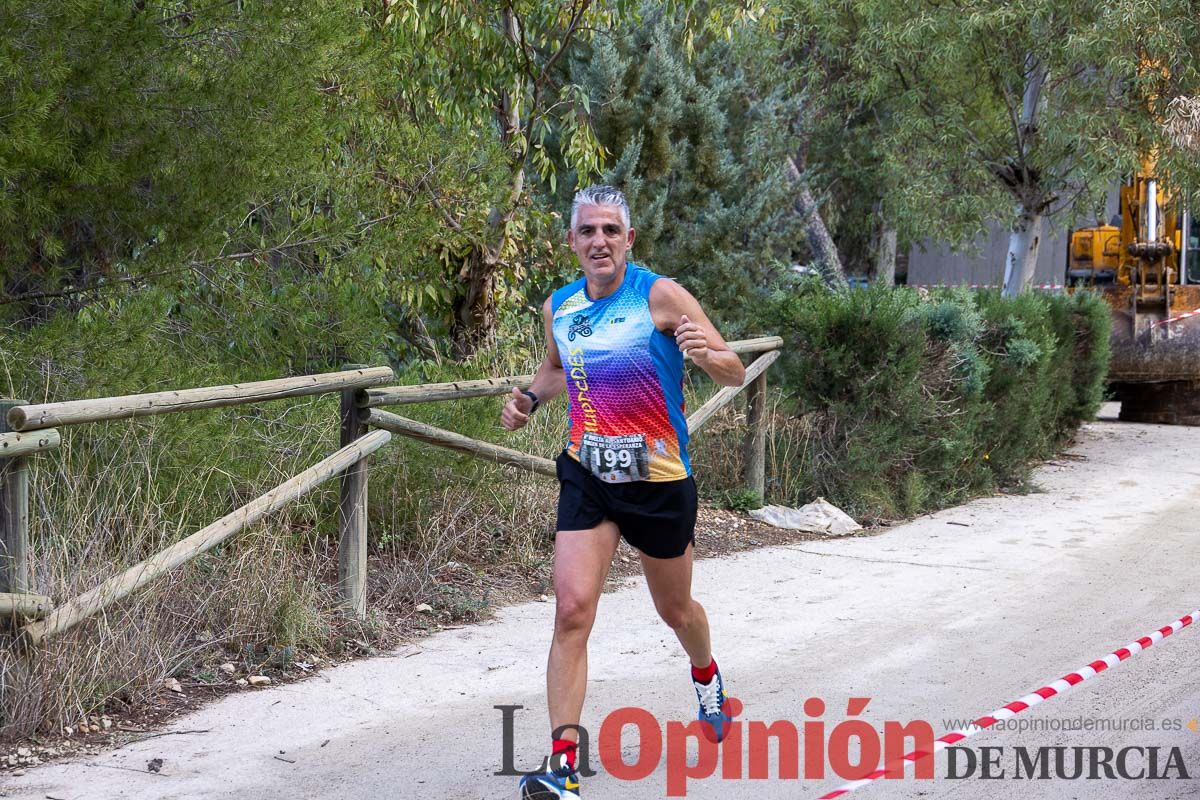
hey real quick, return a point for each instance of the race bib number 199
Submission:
(615, 459)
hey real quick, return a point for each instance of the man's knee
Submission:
(573, 614)
(677, 615)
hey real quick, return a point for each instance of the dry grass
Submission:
(94, 513)
(718, 457)
(471, 548)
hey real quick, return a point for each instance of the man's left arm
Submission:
(676, 311)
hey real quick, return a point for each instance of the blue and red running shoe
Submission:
(553, 784)
(712, 698)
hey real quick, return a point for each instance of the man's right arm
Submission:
(548, 382)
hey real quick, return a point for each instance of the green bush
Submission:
(907, 402)
(742, 500)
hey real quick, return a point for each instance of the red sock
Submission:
(704, 674)
(568, 749)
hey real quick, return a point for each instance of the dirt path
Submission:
(946, 617)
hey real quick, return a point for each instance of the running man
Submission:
(615, 340)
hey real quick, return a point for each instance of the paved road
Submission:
(946, 617)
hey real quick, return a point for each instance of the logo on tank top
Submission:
(580, 324)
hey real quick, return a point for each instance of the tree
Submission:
(496, 68)
(1035, 104)
(490, 67)
(131, 134)
(841, 150)
(697, 146)
(837, 181)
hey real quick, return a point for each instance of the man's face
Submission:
(600, 241)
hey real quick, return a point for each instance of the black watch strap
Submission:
(532, 397)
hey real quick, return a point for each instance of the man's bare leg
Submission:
(670, 583)
(581, 563)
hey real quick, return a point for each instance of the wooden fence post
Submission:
(14, 515)
(754, 449)
(352, 511)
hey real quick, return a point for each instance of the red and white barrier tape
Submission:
(1176, 319)
(980, 286)
(1017, 706)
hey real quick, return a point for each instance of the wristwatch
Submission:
(532, 397)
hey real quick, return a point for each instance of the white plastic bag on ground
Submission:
(819, 516)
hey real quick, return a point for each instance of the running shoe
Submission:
(712, 704)
(553, 784)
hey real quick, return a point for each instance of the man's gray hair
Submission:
(599, 195)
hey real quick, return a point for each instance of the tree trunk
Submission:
(885, 256)
(474, 325)
(824, 252)
(1021, 259)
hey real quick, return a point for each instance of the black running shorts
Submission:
(656, 517)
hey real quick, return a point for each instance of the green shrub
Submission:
(909, 403)
(742, 500)
(1082, 323)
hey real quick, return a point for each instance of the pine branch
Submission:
(97, 286)
(135, 280)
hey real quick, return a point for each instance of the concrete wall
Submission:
(932, 262)
(983, 261)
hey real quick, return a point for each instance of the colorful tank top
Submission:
(625, 383)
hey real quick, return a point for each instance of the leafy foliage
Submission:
(488, 69)
(132, 135)
(743, 500)
(697, 145)
(910, 404)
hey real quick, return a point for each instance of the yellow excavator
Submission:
(1147, 268)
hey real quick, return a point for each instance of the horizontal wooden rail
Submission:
(714, 403)
(429, 392)
(759, 345)
(75, 412)
(25, 606)
(20, 444)
(489, 387)
(456, 441)
(74, 611)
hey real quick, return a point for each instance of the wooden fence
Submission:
(28, 429)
